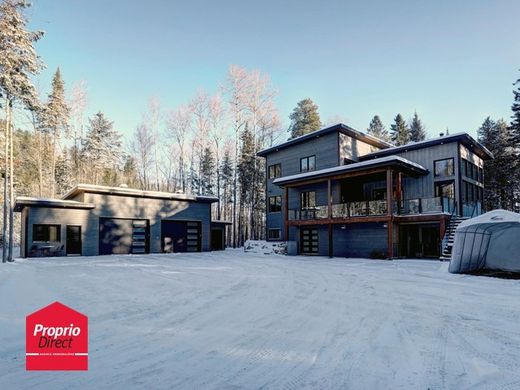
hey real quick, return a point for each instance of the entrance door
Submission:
(217, 239)
(73, 240)
(419, 241)
(309, 241)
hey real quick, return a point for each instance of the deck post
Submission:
(286, 214)
(331, 243)
(329, 198)
(390, 223)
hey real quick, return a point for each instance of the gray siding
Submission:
(64, 217)
(325, 148)
(154, 210)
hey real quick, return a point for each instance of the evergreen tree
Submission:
(226, 178)
(377, 129)
(18, 62)
(515, 140)
(56, 118)
(63, 174)
(208, 172)
(515, 122)
(500, 182)
(417, 131)
(102, 146)
(399, 131)
(304, 118)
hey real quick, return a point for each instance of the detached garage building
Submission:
(95, 220)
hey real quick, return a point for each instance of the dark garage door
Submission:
(180, 236)
(123, 236)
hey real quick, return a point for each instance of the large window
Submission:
(274, 234)
(46, 233)
(275, 204)
(472, 171)
(308, 164)
(275, 171)
(471, 192)
(308, 200)
(444, 167)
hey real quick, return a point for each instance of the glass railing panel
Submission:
(358, 209)
(377, 207)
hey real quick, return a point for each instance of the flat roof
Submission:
(326, 130)
(132, 192)
(467, 140)
(24, 201)
(407, 165)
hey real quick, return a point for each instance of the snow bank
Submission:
(266, 247)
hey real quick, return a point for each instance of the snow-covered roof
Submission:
(494, 216)
(464, 138)
(370, 139)
(383, 161)
(124, 191)
(23, 201)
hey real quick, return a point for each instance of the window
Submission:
(472, 171)
(307, 200)
(444, 167)
(445, 189)
(274, 234)
(308, 164)
(275, 171)
(275, 204)
(46, 233)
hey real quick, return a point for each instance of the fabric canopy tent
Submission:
(490, 241)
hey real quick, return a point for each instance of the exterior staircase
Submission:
(449, 237)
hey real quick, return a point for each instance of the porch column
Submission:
(286, 214)
(329, 198)
(389, 201)
(331, 241)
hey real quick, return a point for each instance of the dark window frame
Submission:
(435, 174)
(307, 160)
(273, 172)
(439, 184)
(277, 204)
(278, 235)
(307, 201)
(45, 234)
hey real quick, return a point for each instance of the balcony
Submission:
(375, 208)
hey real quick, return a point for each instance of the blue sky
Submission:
(452, 61)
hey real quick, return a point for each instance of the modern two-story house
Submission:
(340, 192)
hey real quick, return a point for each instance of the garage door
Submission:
(181, 236)
(123, 236)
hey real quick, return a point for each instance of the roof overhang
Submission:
(396, 163)
(23, 201)
(132, 192)
(464, 138)
(340, 127)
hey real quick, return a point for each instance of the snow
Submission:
(243, 320)
(493, 216)
(266, 247)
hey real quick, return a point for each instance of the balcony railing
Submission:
(374, 208)
(438, 204)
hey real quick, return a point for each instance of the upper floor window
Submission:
(275, 204)
(444, 167)
(46, 233)
(275, 171)
(308, 164)
(307, 200)
(472, 171)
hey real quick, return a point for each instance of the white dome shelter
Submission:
(490, 241)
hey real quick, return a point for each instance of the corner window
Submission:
(274, 234)
(46, 233)
(275, 171)
(445, 189)
(308, 164)
(307, 200)
(275, 204)
(444, 167)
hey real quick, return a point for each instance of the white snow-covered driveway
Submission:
(234, 320)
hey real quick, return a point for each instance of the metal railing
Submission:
(359, 209)
(317, 212)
